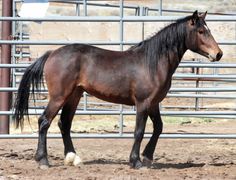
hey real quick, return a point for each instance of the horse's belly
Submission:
(118, 99)
(118, 95)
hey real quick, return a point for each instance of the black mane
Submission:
(169, 39)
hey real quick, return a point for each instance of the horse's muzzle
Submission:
(215, 57)
(219, 55)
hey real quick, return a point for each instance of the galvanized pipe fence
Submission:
(228, 90)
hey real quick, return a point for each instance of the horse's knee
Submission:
(63, 126)
(59, 123)
(159, 128)
(138, 135)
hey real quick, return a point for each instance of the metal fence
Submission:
(219, 86)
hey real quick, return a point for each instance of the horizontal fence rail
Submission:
(215, 18)
(124, 112)
(183, 64)
(124, 135)
(56, 42)
(175, 89)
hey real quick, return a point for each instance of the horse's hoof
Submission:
(43, 163)
(147, 162)
(72, 159)
(77, 161)
(137, 164)
(43, 167)
(69, 159)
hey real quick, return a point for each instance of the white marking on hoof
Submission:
(77, 161)
(69, 159)
(147, 162)
(43, 167)
(72, 159)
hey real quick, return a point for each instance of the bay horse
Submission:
(140, 76)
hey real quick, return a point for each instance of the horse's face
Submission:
(199, 38)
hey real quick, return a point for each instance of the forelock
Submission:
(205, 26)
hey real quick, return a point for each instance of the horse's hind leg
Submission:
(44, 122)
(64, 124)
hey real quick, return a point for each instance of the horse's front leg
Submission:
(141, 119)
(148, 152)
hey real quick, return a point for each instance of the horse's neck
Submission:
(176, 50)
(174, 57)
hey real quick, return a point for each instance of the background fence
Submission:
(195, 81)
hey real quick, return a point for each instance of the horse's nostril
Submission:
(219, 55)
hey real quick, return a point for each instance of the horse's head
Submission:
(199, 38)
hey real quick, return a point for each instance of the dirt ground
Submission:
(108, 158)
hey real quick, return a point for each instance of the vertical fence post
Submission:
(121, 48)
(142, 13)
(77, 9)
(197, 86)
(14, 35)
(85, 7)
(160, 7)
(5, 72)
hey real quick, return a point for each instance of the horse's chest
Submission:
(161, 91)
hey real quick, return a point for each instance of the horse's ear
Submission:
(195, 14)
(195, 17)
(203, 15)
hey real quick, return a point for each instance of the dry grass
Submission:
(106, 124)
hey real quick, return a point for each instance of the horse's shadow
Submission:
(155, 165)
(176, 165)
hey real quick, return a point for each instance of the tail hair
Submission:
(31, 80)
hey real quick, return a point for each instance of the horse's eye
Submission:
(201, 31)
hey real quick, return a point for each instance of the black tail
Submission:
(33, 76)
